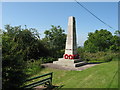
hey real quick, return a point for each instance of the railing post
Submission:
(51, 76)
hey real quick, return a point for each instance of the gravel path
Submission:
(55, 66)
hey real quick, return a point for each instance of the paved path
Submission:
(55, 66)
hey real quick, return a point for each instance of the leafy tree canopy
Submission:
(100, 40)
(55, 40)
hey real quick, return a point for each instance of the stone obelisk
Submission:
(71, 57)
(71, 44)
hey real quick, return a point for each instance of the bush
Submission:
(13, 74)
(33, 67)
(47, 59)
(99, 56)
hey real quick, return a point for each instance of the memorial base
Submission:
(70, 62)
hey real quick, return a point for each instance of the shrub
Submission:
(47, 59)
(99, 56)
(33, 66)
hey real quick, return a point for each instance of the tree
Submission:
(55, 40)
(18, 46)
(90, 47)
(27, 40)
(117, 32)
(12, 64)
(98, 41)
(116, 41)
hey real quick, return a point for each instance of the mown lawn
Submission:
(104, 75)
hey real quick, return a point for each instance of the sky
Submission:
(41, 15)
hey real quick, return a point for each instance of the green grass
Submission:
(104, 75)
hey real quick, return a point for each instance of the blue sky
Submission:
(41, 15)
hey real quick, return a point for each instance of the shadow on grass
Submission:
(54, 87)
(99, 62)
(95, 62)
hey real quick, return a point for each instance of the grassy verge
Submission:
(104, 75)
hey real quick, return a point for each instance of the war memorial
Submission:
(71, 58)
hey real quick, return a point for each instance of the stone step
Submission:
(77, 60)
(70, 62)
(80, 63)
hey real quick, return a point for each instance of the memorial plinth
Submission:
(71, 57)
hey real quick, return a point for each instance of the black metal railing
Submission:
(47, 81)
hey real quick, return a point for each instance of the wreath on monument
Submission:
(66, 56)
